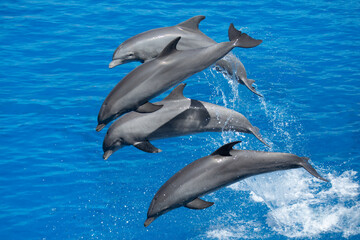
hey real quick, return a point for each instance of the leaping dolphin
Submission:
(149, 44)
(178, 116)
(222, 168)
(158, 75)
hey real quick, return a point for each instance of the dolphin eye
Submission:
(131, 54)
(114, 142)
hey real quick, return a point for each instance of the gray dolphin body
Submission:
(156, 76)
(178, 116)
(222, 168)
(149, 44)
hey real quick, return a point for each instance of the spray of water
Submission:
(298, 205)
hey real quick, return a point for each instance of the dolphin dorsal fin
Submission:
(192, 23)
(225, 149)
(177, 93)
(170, 48)
(198, 203)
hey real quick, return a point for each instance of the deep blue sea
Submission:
(54, 77)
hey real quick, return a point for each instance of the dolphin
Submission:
(149, 44)
(158, 75)
(178, 116)
(223, 167)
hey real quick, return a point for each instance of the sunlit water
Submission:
(54, 76)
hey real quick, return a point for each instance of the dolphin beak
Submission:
(115, 63)
(100, 127)
(148, 221)
(107, 154)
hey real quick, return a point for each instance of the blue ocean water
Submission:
(54, 77)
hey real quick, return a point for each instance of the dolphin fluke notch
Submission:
(177, 93)
(225, 149)
(198, 204)
(242, 39)
(170, 48)
(146, 146)
(192, 23)
(305, 164)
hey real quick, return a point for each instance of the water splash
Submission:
(298, 205)
(240, 229)
(335, 210)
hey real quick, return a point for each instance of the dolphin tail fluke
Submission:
(248, 83)
(242, 39)
(226, 68)
(198, 204)
(257, 134)
(305, 164)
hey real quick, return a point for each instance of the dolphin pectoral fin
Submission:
(148, 108)
(177, 93)
(225, 149)
(146, 146)
(242, 39)
(192, 23)
(305, 164)
(198, 204)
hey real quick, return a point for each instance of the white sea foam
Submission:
(297, 205)
(239, 230)
(333, 210)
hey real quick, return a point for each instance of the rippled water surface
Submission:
(54, 77)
